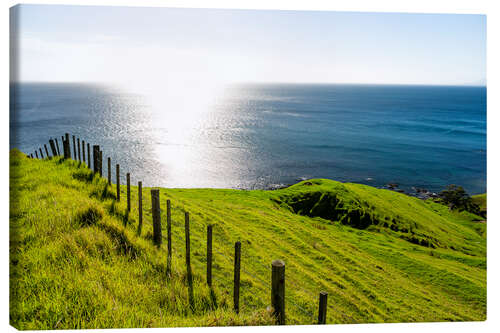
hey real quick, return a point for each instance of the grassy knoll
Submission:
(76, 260)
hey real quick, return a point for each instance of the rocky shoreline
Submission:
(417, 192)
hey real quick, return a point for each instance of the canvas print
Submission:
(174, 167)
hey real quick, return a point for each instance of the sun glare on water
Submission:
(181, 111)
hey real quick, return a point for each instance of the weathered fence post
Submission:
(83, 151)
(79, 156)
(109, 171)
(169, 237)
(67, 152)
(74, 148)
(53, 147)
(41, 154)
(322, 307)
(209, 255)
(95, 152)
(139, 194)
(88, 153)
(237, 264)
(46, 150)
(100, 163)
(118, 182)
(155, 203)
(188, 248)
(57, 146)
(278, 290)
(128, 191)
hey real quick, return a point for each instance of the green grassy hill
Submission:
(76, 260)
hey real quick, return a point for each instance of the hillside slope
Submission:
(76, 260)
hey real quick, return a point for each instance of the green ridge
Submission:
(76, 260)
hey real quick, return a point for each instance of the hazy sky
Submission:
(138, 46)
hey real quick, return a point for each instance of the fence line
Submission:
(266, 283)
(277, 292)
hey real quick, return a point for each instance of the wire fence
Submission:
(263, 285)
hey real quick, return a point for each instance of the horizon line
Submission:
(270, 82)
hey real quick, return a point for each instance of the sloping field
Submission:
(76, 260)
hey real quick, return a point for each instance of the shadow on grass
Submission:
(190, 287)
(123, 215)
(213, 297)
(88, 216)
(83, 175)
(125, 246)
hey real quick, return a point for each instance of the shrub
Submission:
(456, 198)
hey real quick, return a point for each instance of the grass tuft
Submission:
(89, 216)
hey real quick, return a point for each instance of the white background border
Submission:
(490, 8)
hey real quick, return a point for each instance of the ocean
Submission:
(261, 136)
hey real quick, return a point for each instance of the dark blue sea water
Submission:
(257, 136)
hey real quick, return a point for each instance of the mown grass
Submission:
(76, 260)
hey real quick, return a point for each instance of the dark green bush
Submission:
(456, 198)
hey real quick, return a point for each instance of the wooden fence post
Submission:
(57, 146)
(109, 171)
(188, 248)
(88, 153)
(53, 147)
(118, 182)
(128, 191)
(209, 255)
(139, 194)
(67, 152)
(155, 203)
(95, 152)
(322, 307)
(79, 156)
(83, 151)
(100, 163)
(169, 237)
(41, 154)
(46, 150)
(74, 148)
(237, 264)
(36, 153)
(65, 149)
(278, 290)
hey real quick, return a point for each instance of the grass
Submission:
(76, 260)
